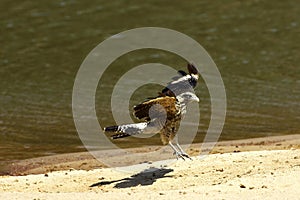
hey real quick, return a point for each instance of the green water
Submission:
(255, 45)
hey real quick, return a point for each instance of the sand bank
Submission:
(245, 175)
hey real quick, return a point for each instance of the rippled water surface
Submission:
(255, 45)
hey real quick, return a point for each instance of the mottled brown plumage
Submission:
(168, 113)
(141, 111)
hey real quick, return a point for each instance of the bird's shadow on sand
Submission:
(146, 177)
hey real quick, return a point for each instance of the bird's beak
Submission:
(195, 98)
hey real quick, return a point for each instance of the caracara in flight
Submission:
(163, 114)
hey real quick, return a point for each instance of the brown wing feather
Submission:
(192, 69)
(167, 105)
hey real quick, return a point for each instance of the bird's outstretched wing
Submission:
(160, 107)
(182, 83)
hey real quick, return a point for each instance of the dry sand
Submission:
(266, 173)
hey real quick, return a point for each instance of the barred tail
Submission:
(120, 135)
(115, 129)
(111, 129)
(126, 130)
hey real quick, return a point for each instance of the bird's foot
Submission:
(181, 155)
(187, 156)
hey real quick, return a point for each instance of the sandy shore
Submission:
(85, 161)
(271, 170)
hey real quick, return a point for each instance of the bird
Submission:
(163, 113)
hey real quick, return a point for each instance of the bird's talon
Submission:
(187, 156)
(181, 155)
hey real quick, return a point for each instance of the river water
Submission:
(255, 45)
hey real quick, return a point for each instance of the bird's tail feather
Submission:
(120, 135)
(126, 130)
(111, 129)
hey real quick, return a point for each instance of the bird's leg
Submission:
(176, 152)
(183, 153)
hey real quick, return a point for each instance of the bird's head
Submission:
(187, 97)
